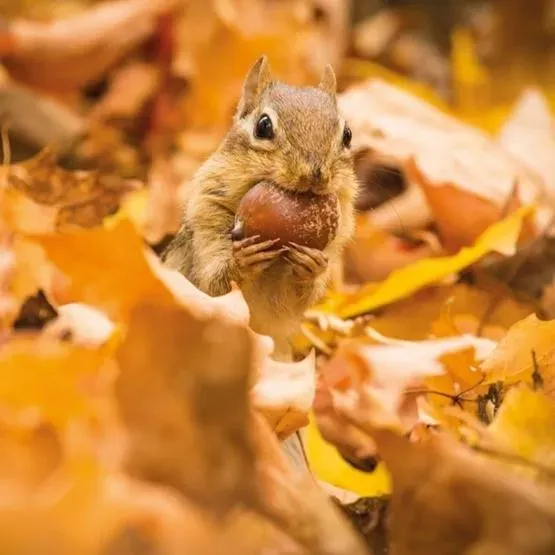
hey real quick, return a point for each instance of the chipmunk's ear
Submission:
(258, 78)
(329, 82)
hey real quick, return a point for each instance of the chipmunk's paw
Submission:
(253, 256)
(307, 263)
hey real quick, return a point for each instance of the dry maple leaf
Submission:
(197, 432)
(43, 197)
(460, 169)
(526, 351)
(113, 276)
(68, 54)
(120, 272)
(446, 498)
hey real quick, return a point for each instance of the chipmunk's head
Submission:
(293, 136)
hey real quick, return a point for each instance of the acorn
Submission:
(274, 213)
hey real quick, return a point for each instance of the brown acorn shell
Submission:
(274, 213)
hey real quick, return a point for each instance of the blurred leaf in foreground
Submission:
(193, 433)
(447, 499)
(55, 379)
(107, 267)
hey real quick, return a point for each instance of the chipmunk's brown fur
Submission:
(306, 153)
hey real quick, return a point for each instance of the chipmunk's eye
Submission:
(347, 136)
(264, 128)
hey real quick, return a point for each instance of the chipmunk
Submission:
(295, 137)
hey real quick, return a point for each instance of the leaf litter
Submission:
(140, 415)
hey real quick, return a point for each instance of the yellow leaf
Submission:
(328, 465)
(529, 345)
(500, 237)
(48, 377)
(525, 423)
(108, 267)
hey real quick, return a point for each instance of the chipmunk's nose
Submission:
(317, 175)
(313, 179)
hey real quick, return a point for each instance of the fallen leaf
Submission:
(114, 275)
(500, 237)
(193, 434)
(68, 54)
(441, 154)
(528, 348)
(42, 197)
(329, 466)
(524, 425)
(377, 380)
(129, 90)
(54, 379)
(372, 255)
(448, 499)
(386, 373)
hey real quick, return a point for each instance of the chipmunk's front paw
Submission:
(253, 256)
(307, 263)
